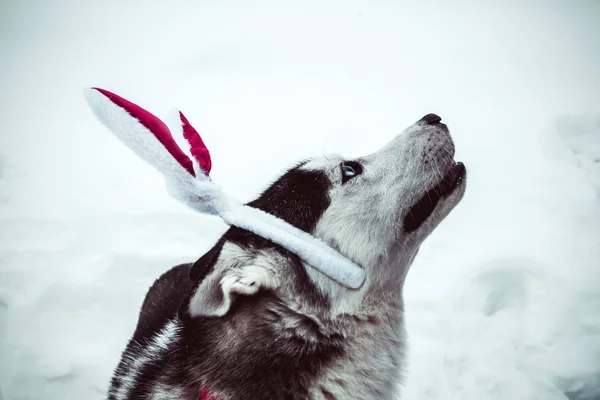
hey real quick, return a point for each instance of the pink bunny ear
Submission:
(197, 147)
(160, 131)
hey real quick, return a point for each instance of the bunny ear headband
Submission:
(187, 177)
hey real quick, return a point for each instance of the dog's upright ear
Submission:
(204, 264)
(214, 295)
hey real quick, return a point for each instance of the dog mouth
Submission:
(424, 207)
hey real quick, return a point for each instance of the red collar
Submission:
(205, 394)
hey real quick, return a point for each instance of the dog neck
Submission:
(372, 338)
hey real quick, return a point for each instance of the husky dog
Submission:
(249, 321)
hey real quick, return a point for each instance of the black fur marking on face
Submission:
(299, 197)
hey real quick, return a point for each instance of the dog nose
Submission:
(431, 119)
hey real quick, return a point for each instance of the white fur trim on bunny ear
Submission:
(133, 134)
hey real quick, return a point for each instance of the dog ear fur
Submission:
(215, 288)
(215, 294)
(202, 267)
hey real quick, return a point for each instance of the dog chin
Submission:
(448, 191)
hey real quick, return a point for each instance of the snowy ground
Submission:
(503, 301)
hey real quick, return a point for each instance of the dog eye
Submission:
(350, 170)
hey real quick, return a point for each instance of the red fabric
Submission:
(197, 146)
(205, 395)
(154, 125)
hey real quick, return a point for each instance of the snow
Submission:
(502, 301)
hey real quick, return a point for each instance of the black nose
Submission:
(432, 119)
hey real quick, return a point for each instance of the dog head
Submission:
(376, 210)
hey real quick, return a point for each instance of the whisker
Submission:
(448, 151)
(437, 170)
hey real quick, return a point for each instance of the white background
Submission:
(503, 301)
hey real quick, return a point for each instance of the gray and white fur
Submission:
(249, 321)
